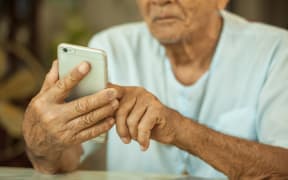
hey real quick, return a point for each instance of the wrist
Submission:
(179, 130)
(186, 135)
(45, 163)
(48, 155)
(179, 124)
(57, 161)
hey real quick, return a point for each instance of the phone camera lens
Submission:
(65, 50)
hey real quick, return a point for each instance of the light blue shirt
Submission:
(244, 93)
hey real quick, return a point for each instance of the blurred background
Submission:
(30, 31)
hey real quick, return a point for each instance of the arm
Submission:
(54, 129)
(141, 116)
(235, 157)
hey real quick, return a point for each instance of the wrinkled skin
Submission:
(141, 116)
(52, 126)
(54, 129)
(172, 21)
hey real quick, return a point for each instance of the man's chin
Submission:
(166, 40)
(169, 41)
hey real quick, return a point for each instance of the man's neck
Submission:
(191, 58)
(198, 48)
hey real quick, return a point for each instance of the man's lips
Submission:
(165, 18)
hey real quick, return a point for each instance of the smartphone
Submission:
(70, 56)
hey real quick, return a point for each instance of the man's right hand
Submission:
(52, 126)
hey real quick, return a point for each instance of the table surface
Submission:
(30, 174)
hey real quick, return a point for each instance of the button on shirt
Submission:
(243, 94)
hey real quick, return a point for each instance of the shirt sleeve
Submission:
(272, 108)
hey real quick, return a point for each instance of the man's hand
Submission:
(52, 125)
(141, 116)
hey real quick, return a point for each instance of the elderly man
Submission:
(201, 91)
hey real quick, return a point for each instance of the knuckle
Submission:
(61, 85)
(74, 138)
(47, 77)
(73, 126)
(114, 105)
(94, 132)
(157, 107)
(146, 98)
(66, 138)
(87, 119)
(81, 107)
(72, 78)
(140, 90)
(142, 128)
(38, 102)
(131, 122)
(110, 95)
(64, 141)
(106, 127)
(36, 105)
(141, 139)
(121, 114)
(145, 94)
(49, 116)
(143, 136)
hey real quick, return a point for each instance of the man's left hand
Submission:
(141, 116)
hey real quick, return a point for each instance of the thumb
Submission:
(51, 77)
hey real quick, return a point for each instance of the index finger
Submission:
(63, 87)
(89, 103)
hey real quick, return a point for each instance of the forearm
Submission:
(235, 157)
(56, 162)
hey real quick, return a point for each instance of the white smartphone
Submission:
(69, 56)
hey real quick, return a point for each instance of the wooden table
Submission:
(30, 174)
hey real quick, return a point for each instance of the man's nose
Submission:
(161, 2)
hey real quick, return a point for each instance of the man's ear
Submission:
(222, 4)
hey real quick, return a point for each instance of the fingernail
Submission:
(125, 140)
(84, 68)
